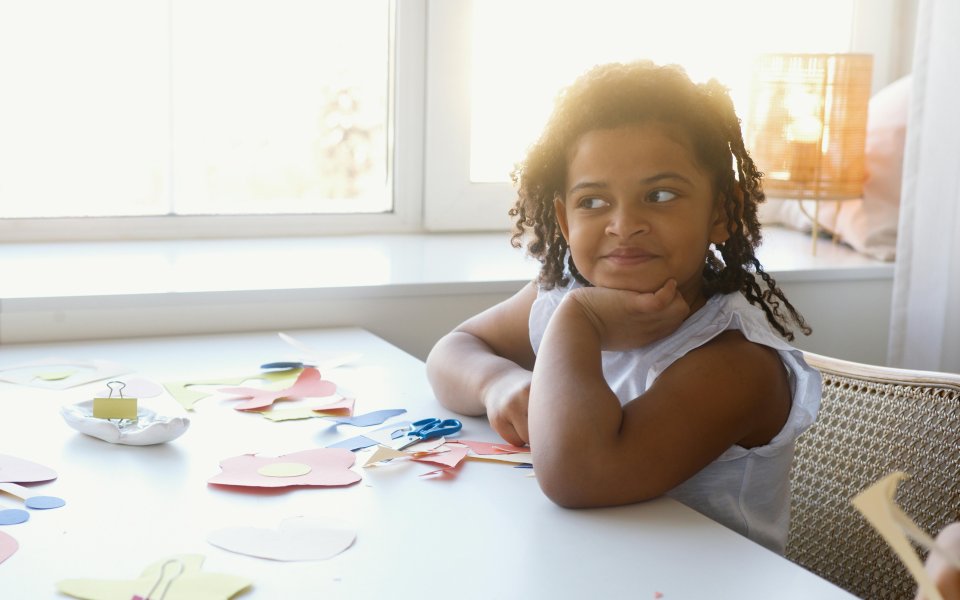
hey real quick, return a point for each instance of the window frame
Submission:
(404, 179)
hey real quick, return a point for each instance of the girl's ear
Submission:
(719, 218)
(561, 211)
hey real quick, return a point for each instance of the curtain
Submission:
(925, 314)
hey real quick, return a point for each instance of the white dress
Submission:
(747, 490)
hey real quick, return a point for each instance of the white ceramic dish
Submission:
(149, 428)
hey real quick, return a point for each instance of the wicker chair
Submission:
(873, 420)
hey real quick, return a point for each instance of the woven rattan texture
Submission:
(866, 430)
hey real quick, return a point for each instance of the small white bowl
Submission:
(149, 428)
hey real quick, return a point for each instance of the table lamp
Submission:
(808, 125)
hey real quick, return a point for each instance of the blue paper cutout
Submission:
(12, 516)
(43, 502)
(372, 418)
(355, 443)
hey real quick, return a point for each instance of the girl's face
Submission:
(638, 210)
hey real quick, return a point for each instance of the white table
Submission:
(487, 533)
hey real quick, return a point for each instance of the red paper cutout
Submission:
(451, 458)
(309, 384)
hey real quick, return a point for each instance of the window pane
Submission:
(112, 107)
(280, 106)
(84, 123)
(524, 51)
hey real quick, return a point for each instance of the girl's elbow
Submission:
(572, 490)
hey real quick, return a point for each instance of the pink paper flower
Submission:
(323, 466)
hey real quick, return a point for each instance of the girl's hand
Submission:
(506, 400)
(625, 320)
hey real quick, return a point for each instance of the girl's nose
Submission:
(626, 222)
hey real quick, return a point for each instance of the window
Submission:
(207, 118)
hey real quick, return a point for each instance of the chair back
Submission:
(873, 420)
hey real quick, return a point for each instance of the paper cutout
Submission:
(322, 360)
(308, 385)
(328, 467)
(451, 457)
(382, 453)
(18, 470)
(878, 505)
(372, 418)
(485, 448)
(55, 375)
(190, 584)
(115, 408)
(13, 516)
(296, 539)
(358, 442)
(341, 407)
(135, 387)
(181, 392)
(282, 365)
(521, 458)
(284, 470)
(8, 546)
(69, 373)
(30, 499)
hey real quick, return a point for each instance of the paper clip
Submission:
(160, 580)
(123, 409)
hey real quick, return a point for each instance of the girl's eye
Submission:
(592, 203)
(661, 196)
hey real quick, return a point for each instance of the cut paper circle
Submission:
(8, 546)
(13, 516)
(295, 539)
(328, 467)
(149, 428)
(18, 470)
(43, 502)
(284, 470)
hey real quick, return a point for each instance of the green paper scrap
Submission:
(54, 375)
(289, 414)
(188, 397)
(189, 584)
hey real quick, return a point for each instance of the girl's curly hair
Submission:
(616, 94)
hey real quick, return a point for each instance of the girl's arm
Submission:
(484, 366)
(590, 451)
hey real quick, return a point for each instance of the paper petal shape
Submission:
(328, 467)
(18, 470)
(308, 385)
(296, 538)
(451, 458)
(190, 584)
(149, 428)
(8, 546)
(183, 393)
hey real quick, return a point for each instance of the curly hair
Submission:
(616, 94)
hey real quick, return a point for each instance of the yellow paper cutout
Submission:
(181, 392)
(54, 375)
(115, 408)
(191, 584)
(877, 504)
(517, 458)
(382, 453)
(289, 414)
(290, 469)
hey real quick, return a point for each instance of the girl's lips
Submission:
(629, 256)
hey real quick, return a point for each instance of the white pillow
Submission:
(868, 225)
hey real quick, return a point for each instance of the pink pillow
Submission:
(868, 225)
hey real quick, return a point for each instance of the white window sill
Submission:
(51, 289)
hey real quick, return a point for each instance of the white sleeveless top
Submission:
(747, 490)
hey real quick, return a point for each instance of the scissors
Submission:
(426, 429)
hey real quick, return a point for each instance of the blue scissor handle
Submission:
(426, 429)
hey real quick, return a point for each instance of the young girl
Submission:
(645, 360)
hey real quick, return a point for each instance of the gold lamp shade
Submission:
(807, 126)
